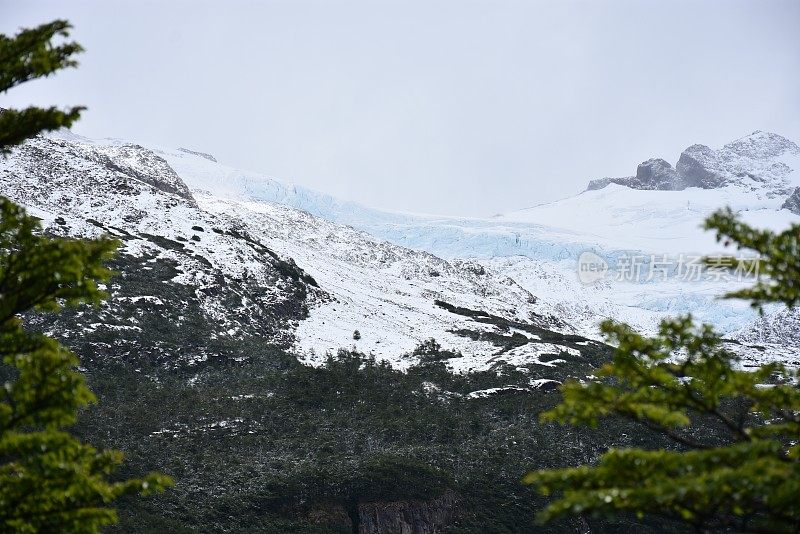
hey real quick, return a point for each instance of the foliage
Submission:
(776, 258)
(266, 443)
(430, 351)
(49, 480)
(260, 442)
(734, 460)
(29, 55)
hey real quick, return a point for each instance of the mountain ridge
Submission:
(751, 161)
(327, 267)
(249, 269)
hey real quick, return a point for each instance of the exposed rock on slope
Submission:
(654, 173)
(658, 174)
(413, 517)
(793, 202)
(700, 167)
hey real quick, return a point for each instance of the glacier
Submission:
(543, 243)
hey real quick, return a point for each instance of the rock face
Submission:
(699, 166)
(408, 517)
(393, 517)
(793, 202)
(654, 173)
(657, 173)
(757, 162)
(137, 162)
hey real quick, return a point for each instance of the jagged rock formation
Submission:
(393, 517)
(700, 167)
(657, 173)
(755, 162)
(409, 517)
(654, 173)
(793, 202)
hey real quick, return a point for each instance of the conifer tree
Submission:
(49, 480)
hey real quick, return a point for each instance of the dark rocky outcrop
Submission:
(409, 517)
(697, 166)
(203, 155)
(657, 173)
(793, 202)
(393, 517)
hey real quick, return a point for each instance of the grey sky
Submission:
(459, 107)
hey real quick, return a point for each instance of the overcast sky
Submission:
(461, 107)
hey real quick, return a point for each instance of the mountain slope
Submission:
(182, 270)
(199, 271)
(238, 252)
(184, 361)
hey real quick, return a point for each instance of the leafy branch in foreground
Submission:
(29, 55)
(735, 460)
(778, 259)
(49, 480)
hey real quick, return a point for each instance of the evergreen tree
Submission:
(736, 460)
(49, 480)
(29, 55)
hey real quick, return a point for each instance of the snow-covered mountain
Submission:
(238, 254)
(227, 267)
(642, 217)
(539, 247)
(179, 266)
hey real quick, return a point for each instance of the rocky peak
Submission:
(755, 162)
